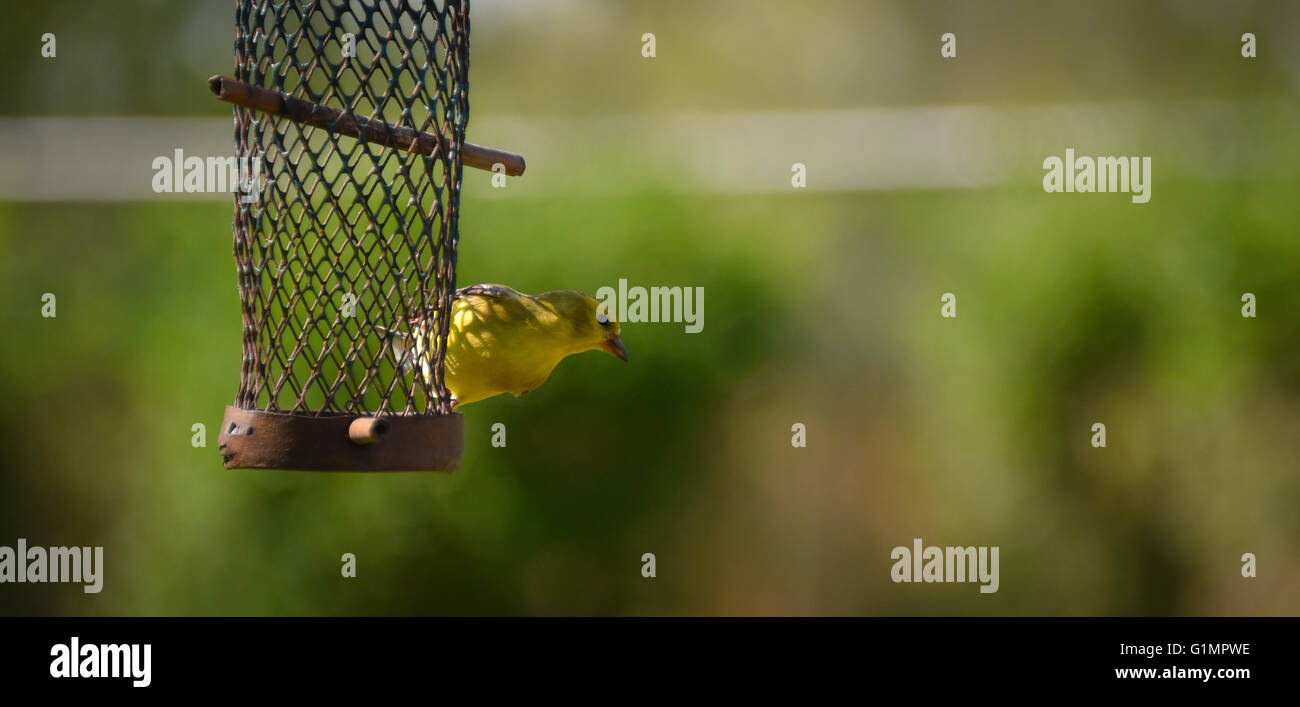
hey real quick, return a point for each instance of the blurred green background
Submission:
(822, 307)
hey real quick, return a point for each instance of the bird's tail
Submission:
(397, 343)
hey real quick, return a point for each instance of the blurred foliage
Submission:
(572, 56)
(820, 309)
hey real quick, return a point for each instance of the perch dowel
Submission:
(367, 430)
(371, 130)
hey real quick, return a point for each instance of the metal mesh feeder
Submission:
(349, 129)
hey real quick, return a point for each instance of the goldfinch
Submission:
(503, 341)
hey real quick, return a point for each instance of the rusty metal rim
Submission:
(341, 442)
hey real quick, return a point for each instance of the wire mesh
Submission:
(344, 240)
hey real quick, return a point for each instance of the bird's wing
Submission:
(490, 305)
(410, 353)
(486, 290)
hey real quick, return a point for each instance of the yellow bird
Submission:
(503, 341)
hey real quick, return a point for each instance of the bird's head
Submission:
(593, 328)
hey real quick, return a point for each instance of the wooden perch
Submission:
(375, 131)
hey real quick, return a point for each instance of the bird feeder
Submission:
(350, 136)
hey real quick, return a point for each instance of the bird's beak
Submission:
(614, 347)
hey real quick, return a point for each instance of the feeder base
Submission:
(278, 440)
